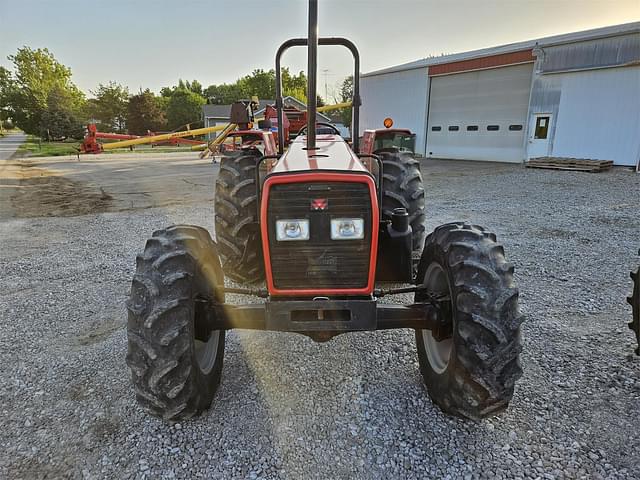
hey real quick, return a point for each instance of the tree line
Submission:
(39, 97)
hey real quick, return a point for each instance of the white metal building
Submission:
(575, 95)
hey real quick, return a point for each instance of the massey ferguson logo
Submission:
(319, 204)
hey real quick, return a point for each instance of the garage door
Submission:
(479, 115)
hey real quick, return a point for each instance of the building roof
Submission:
(611, 31)
(216, 111)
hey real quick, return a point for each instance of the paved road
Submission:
(10, 143)
(68, 186)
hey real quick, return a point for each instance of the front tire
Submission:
(175, 362)
(470, 367)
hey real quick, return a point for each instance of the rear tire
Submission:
(472, 371)
(402, 188)
(634, 301)
(175, 363)
(236, 203)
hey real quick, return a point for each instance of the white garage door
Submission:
(480, 115)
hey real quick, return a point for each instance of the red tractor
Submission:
(388, 138)
(246, 139)
(316, 225)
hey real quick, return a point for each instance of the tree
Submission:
(299, 93)
(6, 86)
(60, 119)
(110, 106)
(223, 94)
(163, 105)
(294, 85)
(346, 90)
(194, 86)
(145, 113)
(346, 95)
(36, 74)
(261, 83)
(166, 92)
(184, 107)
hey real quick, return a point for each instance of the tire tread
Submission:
(236, 206)
(487, 340)
(166, 378)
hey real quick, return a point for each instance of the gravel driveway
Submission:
(354, 407)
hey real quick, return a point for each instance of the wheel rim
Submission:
(206, 352)
(438, 353)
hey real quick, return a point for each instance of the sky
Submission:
(153, 43)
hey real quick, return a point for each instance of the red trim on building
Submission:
(482, 63)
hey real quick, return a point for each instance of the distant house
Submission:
(213, 115)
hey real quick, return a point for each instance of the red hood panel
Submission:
(332, 153)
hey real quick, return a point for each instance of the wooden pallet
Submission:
(573, 164)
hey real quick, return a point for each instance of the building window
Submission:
(515, 128)
(493, 128)
(472, 128)
(436, 129)
(542, 128)
(454, 128)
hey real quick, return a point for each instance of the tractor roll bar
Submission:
(355, 102)
(312, 74)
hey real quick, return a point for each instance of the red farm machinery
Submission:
(294, 121)
(90, 144)
(316, 231)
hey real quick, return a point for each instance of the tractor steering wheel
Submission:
(303, 130)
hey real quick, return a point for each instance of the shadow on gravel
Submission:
(38, 192)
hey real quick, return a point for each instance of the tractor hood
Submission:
(331, 153)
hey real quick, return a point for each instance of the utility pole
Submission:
(325, 71)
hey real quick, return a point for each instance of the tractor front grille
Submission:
(320, 262)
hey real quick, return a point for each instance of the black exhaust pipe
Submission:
(312, 43)
(312, 74)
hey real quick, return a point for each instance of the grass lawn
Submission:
(32, 147)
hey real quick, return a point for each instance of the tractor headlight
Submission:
(347, 229)
(296, 229)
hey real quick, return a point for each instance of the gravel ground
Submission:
(354, 407)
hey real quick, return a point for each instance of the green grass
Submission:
(32, 147)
